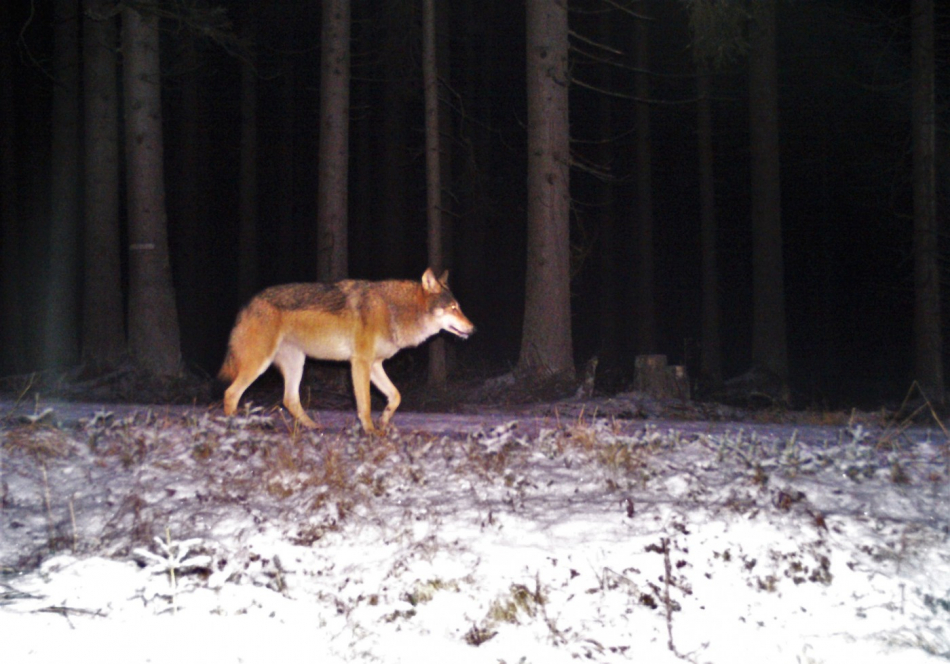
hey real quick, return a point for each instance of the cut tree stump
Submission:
(653, 376)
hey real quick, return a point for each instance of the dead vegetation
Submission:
(148, 473)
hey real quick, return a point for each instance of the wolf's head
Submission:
(444, 307)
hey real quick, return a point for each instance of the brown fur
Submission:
(363, 322)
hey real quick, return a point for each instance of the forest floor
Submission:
(612, 529)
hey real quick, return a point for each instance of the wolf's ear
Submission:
(429, 282)
(444, 279)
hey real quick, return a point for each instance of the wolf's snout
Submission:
(462, 333)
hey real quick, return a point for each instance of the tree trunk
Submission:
(393, 204)
(12, 333)
(546, 345)
(430, 75)
(475, 206)
(286, 211)
(247, 201)
(653, 376)
(769, 345)
(711, 340)
(103, 319)
(610, 351)
(646, 291)
(60, 330)
(334, 156)
(928, 344)
(393, 208)
(153, 318)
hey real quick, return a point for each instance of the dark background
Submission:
(845, 156)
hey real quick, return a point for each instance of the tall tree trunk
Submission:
(475, 154)
(153, 317)
(393, 208)
(711, 338)
(287, 169)
(434, 216)
(769, 345)
(443, 61)
(366, 227)
(609, 325)
(247, 202)
(546, 344)
(103, 319)
(646, 277)
(334, 156)
(928, 344)
(33, 204)
(12, 334)
(392, 203)
(60, 330)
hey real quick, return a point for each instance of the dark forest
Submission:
(240, 117)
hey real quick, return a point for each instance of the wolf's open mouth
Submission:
(459, 333)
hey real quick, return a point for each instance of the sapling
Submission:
(174, 558)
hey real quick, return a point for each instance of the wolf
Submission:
(363, 322)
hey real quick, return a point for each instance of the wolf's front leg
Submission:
(384, 385)
(360, 370)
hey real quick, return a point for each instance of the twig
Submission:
(65, 611)
(667, 580)
(72, 518)
(171, 572)
(49, 506)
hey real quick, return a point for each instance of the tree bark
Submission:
(434, 213)
(286, 210)
(711, 337)
(103, 318)
(546, 343)
(475, 153)
(12, 333)
(61, 319)
(769, 344)
(247, 201)
(154, 342)
(928, 343)
(610, 346)
(646, 277)
(653, 376)
(393, 208)
(334, 156)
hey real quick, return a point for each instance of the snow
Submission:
(468, 538)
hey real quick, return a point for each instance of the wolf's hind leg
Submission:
(290, 361)
(246, 375)
(251, 349)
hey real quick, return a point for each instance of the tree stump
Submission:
(653, 376)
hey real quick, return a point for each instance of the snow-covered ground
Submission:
(177, 535)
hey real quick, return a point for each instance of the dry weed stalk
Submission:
(335, 470)
(31, 379)
(72, 519)
(49, 506)
(908, 421)
(667, 581)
